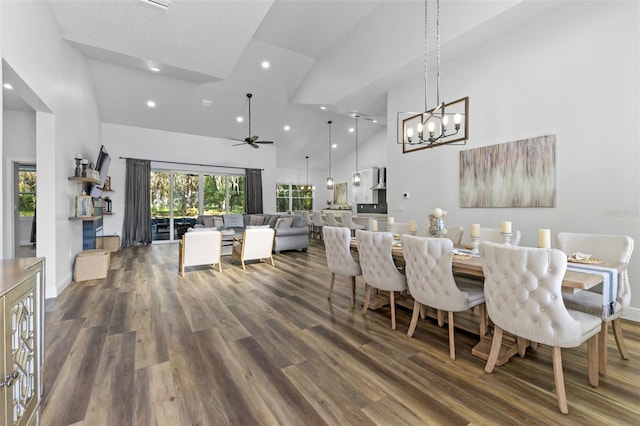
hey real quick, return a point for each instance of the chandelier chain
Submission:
(437, 52)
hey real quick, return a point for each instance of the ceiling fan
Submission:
(251, 140)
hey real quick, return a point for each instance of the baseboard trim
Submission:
(632, 314)
(53, 292)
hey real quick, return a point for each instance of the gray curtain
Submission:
(253, 191)
(136, 229)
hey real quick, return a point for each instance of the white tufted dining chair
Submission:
(337, 247)
(316, 225)
(378, 269)
(200, 248)
(614, 248)
(349, 223)
(494, 235)
(522, 289)
(454, 233)
(431, 283)
(331, 220)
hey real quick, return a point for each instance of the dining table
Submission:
(466, 265)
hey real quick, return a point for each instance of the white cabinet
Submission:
(363, 193)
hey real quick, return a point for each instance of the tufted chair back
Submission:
(348, 221)
(378, 268)
(614, 248)
(336, 245)
(317, 219)
(454, 233)
(494, 235)
(331, 220)
(429, 274)
(522, 289)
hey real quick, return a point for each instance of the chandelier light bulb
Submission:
(431, 126)
(445, 120)
(457, 118)
(420, 128)
(409, 134)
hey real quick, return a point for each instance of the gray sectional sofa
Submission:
(291, 232)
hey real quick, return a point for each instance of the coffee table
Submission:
(227, 240)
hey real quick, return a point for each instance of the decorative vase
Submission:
(437, 226)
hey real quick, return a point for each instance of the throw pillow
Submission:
(284, 222)
(257, 226)
(217, 222)
(208, 221)
(298, 221)
(256, 220)
(233, 220)
(201, 229)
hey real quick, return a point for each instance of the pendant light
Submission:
(356, 176)
(309, 187)
(329, 179)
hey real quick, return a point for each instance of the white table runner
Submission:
(610, 304)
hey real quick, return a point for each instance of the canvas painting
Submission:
(340, 194)
(514, 174)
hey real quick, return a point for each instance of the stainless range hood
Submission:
(382, 179)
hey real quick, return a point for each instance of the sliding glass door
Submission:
(178, 197)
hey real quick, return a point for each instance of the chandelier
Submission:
(329, 179)
(444, 124)
(356, 176)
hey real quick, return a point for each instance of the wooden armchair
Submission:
(257, 243)
(200, 248)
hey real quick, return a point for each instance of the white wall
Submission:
(573, 73)
(371, 153)
(136, 142)
(59, 76)
(19, 135)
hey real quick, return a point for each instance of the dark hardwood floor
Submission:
(147, 347)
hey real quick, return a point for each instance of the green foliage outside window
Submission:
(292, 197)
(26, 193)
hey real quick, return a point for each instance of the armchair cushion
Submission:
(233, 220)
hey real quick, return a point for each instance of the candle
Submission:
(506, 228)
(544, 238)
(475, 230)
(413, 226)
(374, 225)
(391, 220)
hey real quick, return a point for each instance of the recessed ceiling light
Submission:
(7, 86)
(163, 4)
(154, 68)
(287, 128)
(151, 104)
(206, 102)
(351, 129)
(265, 64)
(323, 107)
(375, 121)
(335, 145)
(239, 119)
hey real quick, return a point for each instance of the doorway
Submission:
(24, 202)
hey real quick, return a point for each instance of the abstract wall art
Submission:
(513, 174)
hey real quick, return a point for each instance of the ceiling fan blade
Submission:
(254, 145)
(263, 142)
(238, 144)
(253, 138)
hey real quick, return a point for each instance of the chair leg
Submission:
(592, 360)
(617, 333)
(353, 292)
(367, 296)
(392, 303)
(558, 376)
(602, 349)
(452, 342)
(333, 280)
(242, 260)
(440, 316)
(423, 311)
(272, 262)
(483, 319)
(417, 308)
(495, 349)
(522, 345)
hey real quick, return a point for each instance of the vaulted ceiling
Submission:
(343, 55)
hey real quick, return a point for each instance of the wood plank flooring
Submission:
(264, 347)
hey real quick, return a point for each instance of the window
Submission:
(178, 197)
(26, 190)
(293, 197)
